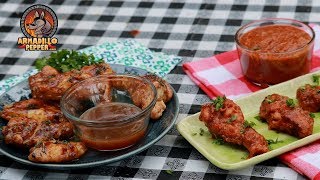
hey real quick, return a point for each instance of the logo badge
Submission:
(39, 24)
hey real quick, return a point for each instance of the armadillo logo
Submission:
(38, 23)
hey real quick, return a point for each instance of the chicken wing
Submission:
(49, 84)
(31, 108)
(309, 98)
(282, 116)
(140, 94)
(26, 132)
(32, 121)
(164, 94)
(56, 151)
(227, 122)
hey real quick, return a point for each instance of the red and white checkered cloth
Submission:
(222, 75)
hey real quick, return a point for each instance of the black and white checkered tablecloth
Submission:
(192, 29)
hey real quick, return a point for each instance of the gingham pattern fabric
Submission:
(226, 66)
(192, 29)
(305, 160)
(233, 84)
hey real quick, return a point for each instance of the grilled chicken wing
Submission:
(141, 96)
(227, 122)
(27, 132)
(56, 151)
(32, 121)
(49, 84)
(309, 98)
(295, 121)
(31, 108)
(164, 94)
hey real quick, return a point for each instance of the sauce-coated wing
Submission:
(164, 94)
(227, 122)
(282, 117)
(26, 132)
(309, 98)
(140, 93)
(32, 121)
(31, 108)
(49, 84)
(56, 151)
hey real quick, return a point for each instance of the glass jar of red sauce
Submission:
(274, 50)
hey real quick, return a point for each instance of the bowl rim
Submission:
(122, 120)
(236, 37)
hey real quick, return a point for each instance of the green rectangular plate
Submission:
(231, 157)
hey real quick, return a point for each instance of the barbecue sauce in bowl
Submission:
(276, 52)
(117, 134)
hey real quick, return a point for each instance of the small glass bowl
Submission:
(274, 65)
(117, 122)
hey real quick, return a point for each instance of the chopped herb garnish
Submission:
(271, 141)
(201, 132)
(232, 118)
(268, 100)
(218, 141)
(169, 172)
(65, 60)
(193, 134)
(302, 88)
(258, 118)
(315, 79)
(248, 124)
(218, 102)
(312, 115)
(244, 157)
(290, 102)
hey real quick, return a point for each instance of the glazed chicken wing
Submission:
(26, 132)
(141, 96)
(282, 116)
(164, 94)
(309, 98)
(56, 151)
(227, 122)
(31, 108)
(49, 84)
(32, 121)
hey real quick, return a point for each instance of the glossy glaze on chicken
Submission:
(140, 93)
(282, 115)
(38, 123)
(56, 151)
(49, 84)
(226, 121)
(309, 98)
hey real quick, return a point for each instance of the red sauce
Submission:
(276, 53)
(114, 135)
(134, 32)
